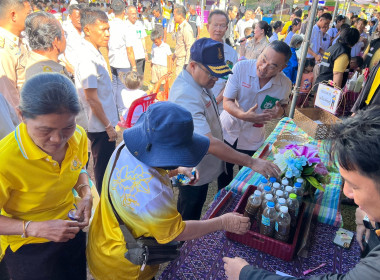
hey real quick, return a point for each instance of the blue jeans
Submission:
(117, 85)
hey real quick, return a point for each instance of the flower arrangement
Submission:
(303, 162)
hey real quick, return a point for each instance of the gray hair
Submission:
(41, 29)
(296, 40)
(48, 93)
(89, 16)
(5, 5)
(180, 10)
(73, 7)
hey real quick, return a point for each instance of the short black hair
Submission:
(359, 60)
(344, 26)
(355, 143)
(277, 24)
(230, 8)
(340, 18)
(91, 15)
(282, 48)
(217, 12)
(326, 16)
(298, 13)
(349, 37)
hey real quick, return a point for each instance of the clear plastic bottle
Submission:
(263, 183)
(289, 177)
(253, 206)
(293, 207)
(272, 180)
(268, 220)
(298, 190)
(302, 181)
(267, 190)
(282, 225)
(288, 191)
(279, 194)
(276, 186)
(280, 202)
(268, 197)
(284, 183)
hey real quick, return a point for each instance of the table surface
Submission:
(202, 258)
(326, 203)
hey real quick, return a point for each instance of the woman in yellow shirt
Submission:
(41, 162)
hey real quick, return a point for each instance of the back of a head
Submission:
(48, 93)
(298, 13)
(349, 37)
(359, 61)
(89, 16)
(326, 16)
(296, 41)
(277, 24)
(355, 144)
(41, 30)
(118, 7)
(281, 47)
(5, 5)
(344, 26)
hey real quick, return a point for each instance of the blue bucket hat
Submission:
(210, 53)
(163, 137)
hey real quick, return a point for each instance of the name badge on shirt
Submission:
(269, 102)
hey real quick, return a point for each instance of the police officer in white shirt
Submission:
(121, 54)
(139, 45)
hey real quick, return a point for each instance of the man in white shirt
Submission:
(95, 90)
(121, 54)
(73, 34)
(243, 23)
(315, 51)
(139, 45)
(195, 22)
(217, 27)
(257, 92)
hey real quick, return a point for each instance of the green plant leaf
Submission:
(307, 171)
(314, 182)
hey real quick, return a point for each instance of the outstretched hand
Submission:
(265, 168)
(252, 116)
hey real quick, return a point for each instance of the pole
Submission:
(348, 7)
(335, 11)
(301, 66)
(202, 13)
(282, 7)
(344, 8)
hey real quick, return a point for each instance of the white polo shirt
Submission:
(121, 37)
(137, 44)
(241, 25)
(231, 58)
(73, 43)
(243, 86)
(160, 54)
(92, 72)
(315, 40)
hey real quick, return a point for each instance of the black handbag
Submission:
(144, 250)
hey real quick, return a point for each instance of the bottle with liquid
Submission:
(282, 225)
(288, 191)
(266, 191)
(276, 186)
(279, 194)
(268, 220)
(302, 181)
(280, 202)
(272, 180)
(253, 205)
(268, 197)
(298, 190)
(289, 177)
(293, 208)
(284, 183)
(263, 183)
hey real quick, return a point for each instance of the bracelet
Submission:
(108, 125)
(24, 228)
(78, 188)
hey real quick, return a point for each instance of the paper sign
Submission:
(328, 98)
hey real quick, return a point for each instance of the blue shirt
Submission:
(291, 70)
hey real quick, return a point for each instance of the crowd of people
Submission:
(71, 71)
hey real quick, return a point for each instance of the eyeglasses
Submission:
(211, 77)
(219, 26)
(270, 67)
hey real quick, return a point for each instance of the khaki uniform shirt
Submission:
(254, 48)
(11, 66)
(184, 41)
(37, 63)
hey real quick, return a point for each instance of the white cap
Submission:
(276, 185)
(73, 2)
(281, 200)
(279, 193)
(288, 188)
(300, 180)
(285, 181)
(284, 209)
(257, 193)
(268, 196)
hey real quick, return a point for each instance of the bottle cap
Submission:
(289, 174)
(285, 182)
(284, 209)
(264, 181)
(270, 204)
(297, 185)
(293, 196)
(288, 188)
(281, 200)
(276, 185)
(279, 193)
(300, 180)
(268, 196)
(272, 179)
(267, 189)
(257, 193)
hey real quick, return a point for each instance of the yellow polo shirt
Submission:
(32, 185)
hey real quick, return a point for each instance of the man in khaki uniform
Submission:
(12, 23)
(184, 39)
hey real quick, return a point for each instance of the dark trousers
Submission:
(47, 261)
(4, 275)
(140, 65)
(191, 200)
(224, 179)
(102, 150)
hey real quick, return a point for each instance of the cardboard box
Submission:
(315, 122)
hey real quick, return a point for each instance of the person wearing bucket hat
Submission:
(191, 90)
(139, 187)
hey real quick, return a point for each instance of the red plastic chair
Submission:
(144, 101)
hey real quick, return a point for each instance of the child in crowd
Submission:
(248, 31)
(356, 64)
(160, 56)
(306, 83)
(292, 69)
(277, 27)
(133, 82)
